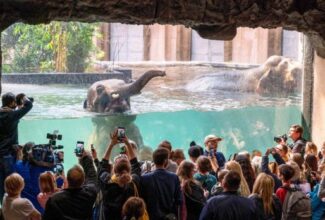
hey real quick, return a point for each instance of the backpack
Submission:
(296, 205)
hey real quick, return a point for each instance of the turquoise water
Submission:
(246, 121)
(242, 129)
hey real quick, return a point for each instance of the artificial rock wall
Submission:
(217, 19)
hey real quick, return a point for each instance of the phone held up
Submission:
(120, 134)
(79, 148)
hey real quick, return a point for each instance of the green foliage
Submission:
(35, 48)
(79, 43)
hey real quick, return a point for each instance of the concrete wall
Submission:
(250, 45)
(292, 45)
(177, 43)
(206, 50)
(318, 119)
(126, 42)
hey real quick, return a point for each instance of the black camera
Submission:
(278, 139)
(52, 139)
(20, 97)
(46, 152)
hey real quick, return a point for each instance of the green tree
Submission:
(58, 46)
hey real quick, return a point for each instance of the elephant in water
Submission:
(277, 76)
(113, 95)
(106, 124)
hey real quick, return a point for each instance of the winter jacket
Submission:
(9, 119)
(74, 203)
(194, 201)
(114, 196)
(276, 208)
(317, 205)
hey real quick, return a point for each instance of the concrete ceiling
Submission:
(212, 19)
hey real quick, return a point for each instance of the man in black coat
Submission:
(161, 189)
(75, 202)
(9, 119)
(299, 143)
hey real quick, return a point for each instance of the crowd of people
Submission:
(138, 184)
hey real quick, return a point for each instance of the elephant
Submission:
(277, 76)
(113, 95)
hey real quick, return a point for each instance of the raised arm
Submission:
(28, 105)
(87, 164)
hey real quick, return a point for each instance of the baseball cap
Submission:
(211, 137)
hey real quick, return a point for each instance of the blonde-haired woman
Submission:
(15, 207)
(268, 206)
(234, 166)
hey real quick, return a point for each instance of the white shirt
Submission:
(16, 208)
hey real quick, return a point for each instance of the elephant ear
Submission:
(100, 89)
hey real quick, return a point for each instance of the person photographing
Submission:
(9, 119)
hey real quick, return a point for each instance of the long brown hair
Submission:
(185, 174)
(133, 208)
(263, 187)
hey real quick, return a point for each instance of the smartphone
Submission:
(79, 148)
(92, 148)
(120, 134)
(211, 153)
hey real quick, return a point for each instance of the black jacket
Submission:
(298, 146)
(276, 208)
(265, 169)
(195, 202)
(115, 196)
(9, 120)
(74, 204)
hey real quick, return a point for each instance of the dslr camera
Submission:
(278, 139)
(20, 97)
(47, 152)
(53, 137)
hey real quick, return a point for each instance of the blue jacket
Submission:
(229, 205)
(317, 205)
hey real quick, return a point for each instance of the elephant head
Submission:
(113, 95)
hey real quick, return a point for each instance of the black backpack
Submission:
(296, 205)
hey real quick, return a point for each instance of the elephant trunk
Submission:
(136, 87)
